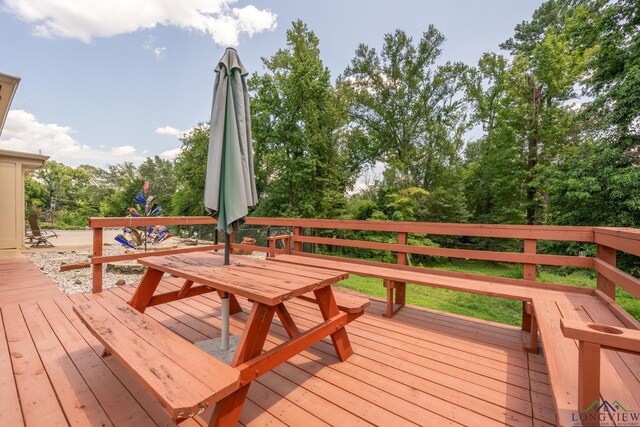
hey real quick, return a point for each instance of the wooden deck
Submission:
(420, 368)
(21, 280)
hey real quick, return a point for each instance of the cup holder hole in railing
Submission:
(604, 328)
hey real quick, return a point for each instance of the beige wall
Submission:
(13, 168)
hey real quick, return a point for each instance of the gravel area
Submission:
(79, 280)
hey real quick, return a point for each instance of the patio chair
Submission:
(35, 236)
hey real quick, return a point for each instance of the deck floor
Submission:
(422, 367)
(21, 280)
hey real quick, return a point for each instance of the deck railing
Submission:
(608, 241)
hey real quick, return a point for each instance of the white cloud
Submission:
(86, 19)
(23, 132)
(159, 52)
(150, 45)
(171, 131)
(171, 154)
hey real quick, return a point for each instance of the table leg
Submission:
(253, 338)
(329, 308)
(146, 288)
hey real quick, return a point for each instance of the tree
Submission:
(410, 110)
(494, 165)
(304, 156)
(613, 28)
(162, 182)
(535, 119)
(597, 182)
(125, 183)
(190, 172)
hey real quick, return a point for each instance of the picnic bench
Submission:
(591, 345)
(184, 379)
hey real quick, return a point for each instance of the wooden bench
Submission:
(395, 279)
(545, 307)
(182, 378)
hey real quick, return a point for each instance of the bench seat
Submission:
(545, 305)
(182, 378)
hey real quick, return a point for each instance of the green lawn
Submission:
(479, 306)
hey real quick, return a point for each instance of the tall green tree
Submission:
(190, 172)
(304, 159)
(494, 163)
(598, 181)
(412, 113)
(535, 119)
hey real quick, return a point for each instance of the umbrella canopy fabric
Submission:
(230, 184)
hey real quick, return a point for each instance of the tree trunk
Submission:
(533, 141)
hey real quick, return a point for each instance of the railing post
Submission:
(297, 246)
(607, 255)
(97, 268)
(403, 239)
(529, 269)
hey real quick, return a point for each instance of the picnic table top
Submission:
(258, 280)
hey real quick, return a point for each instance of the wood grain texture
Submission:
(181, 377)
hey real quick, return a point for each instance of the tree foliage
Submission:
(547, 131)
(303, 149)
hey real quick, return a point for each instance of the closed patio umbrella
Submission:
(230, 185)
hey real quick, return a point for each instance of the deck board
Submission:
(422, 367)
(21, 280)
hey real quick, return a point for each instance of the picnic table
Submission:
(268, 285)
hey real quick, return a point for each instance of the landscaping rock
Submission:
(121, 282)
(125, 268)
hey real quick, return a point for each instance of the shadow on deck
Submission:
(422, 367)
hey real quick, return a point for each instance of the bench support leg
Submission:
(526, 316)
(589, 380)
(228, 410)
(529, 328)
(395, 304)
(329, 308)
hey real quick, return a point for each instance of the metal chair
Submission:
(35, 236)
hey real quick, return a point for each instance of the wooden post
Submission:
(397, 288)
(529, 269)
(272, 248)
(97, 268)
(297, 246)
(403, 239)
(607, 255)
(589, 380)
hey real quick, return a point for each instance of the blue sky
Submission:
(107, 82)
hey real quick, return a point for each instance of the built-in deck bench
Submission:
(579, 372)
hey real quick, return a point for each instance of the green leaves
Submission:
(306, 156)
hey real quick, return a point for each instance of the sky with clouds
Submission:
(120, 80)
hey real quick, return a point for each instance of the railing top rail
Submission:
(542, 232)
(103, 222)
(580, 234)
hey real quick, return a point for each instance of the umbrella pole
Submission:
(225, 300)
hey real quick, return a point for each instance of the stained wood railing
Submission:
(608, 241)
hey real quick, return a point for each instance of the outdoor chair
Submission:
(35, 236)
